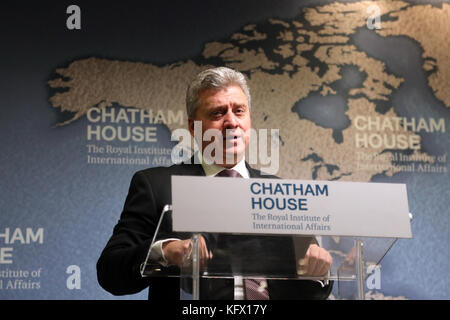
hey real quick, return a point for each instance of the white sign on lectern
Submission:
(275, 206)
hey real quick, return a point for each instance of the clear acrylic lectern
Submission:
(276, 257)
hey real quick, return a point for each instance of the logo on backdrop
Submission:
(13, 278)
(128, 136)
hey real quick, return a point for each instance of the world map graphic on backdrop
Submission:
(354, 91)
(313, 77)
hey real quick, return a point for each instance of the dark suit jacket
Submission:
(119, 263)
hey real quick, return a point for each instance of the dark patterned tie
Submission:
(255, 289)
(229, 173)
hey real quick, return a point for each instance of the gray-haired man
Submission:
(219, 100)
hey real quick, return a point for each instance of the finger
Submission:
(206, 254)
(303, 263)
(312, 260)
(329, 260)
(325, 261)
(203, 249)
(186, 245)
(321, 263)
(185, 249)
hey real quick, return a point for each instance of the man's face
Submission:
(227, 111)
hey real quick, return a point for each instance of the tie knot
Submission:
(229, 173)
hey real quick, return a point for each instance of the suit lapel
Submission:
(191, 168)
(253, 173)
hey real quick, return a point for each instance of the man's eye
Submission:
(216, 113)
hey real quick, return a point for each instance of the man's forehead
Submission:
(217, 97)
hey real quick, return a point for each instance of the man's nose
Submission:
(230, 120)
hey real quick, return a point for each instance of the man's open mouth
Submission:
(231, 137)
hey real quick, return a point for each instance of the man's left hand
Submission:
(316, 263)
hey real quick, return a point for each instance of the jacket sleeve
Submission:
(119, 263)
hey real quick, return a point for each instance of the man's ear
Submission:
(191, 126)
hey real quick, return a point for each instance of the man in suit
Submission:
(219, 100)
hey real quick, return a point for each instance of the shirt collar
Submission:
(213, 169)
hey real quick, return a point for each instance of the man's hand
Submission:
(175, 250)
(316, 263)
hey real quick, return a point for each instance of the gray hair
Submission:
(215, 78)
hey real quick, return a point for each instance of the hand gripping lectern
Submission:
(262, 229)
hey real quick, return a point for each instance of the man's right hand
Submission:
(175, 250)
